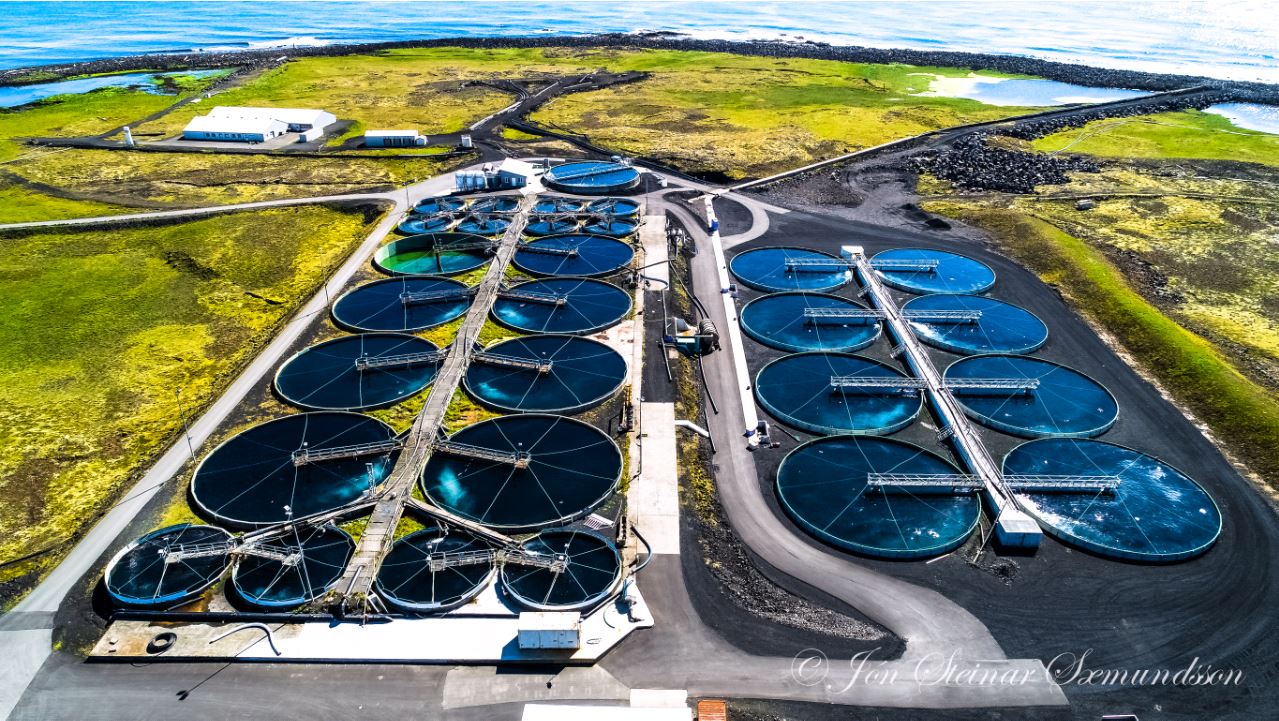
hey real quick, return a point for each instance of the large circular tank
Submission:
(1063, 401)
(578, 373)
(573, 255)
(614, 227)
(415, 225)
(405, 303)
(997, 327)
(591, 177)
(825, 486)
(617, 207)
(534, 470)
(161, 569)
(275, 471)
(779, 321)
(433, 254)
(1156, 513)
(557, 205)
(798, 390)
(539, 226)
(358, 372)
(587, 306)
(953, 273)
(589, 572)
(495, 204)
(304, 565)
(479, 225)
(407, 581)
(444, 204)
(774, 269)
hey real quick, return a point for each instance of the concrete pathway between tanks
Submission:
(928, 622)
(26, 648)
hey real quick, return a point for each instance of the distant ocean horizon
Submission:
(1229, 40)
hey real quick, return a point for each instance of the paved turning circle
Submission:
(999, 328)
(358, 372)
(313, 559)
(779, 321)
(255, 478)
(541, 470)
(953, 273)
(774, 269)
(588, 306)
(1157, 513)
(151, 572)
(575, 374)
(1064, 403)
(406, 303)
(591, 570)
(797, 390)
(407, 581)
(825, 487)
(575, 254)
(433, 254)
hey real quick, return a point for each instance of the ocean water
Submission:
(1236, 40)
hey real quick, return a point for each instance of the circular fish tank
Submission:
(808, 321)
(801, 391)
(1156, 513)
(557, 205)
(496, 204)
(418, 226)
(1040, 398)
(293, 467)
(573, 255)
(970, 324)
(612, 228)
(826, 487)
(538, 227)
(618, 207)
(587, 569)
(434, 206)
(949, 272)
(524, 472)
(163, 568)
(483, 226)
(408, 582)
(405, 303)
(591, 177)
(358, 372)
(550, 373)
(302, 566)
(433, 254)
(562, 305)
(777, 269)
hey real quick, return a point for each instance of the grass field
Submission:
(101, 327)
(1184, 134)
(749, 116)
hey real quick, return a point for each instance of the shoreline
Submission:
(1013, 64)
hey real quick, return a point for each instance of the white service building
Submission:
(248, 124)
(393, 138)
(510, 173)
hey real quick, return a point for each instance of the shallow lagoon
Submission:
(16, 95)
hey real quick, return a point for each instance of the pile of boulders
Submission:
(1031, 129)
(971, 163)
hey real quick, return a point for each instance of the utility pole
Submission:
(186, 428)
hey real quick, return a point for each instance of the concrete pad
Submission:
(652, 235)
(654, 495)
(659, 698)
(576, 712)
(24, 653)
(452, 638)
(484, 686)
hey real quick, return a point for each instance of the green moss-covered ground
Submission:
(1183, 134)
(101, 327)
